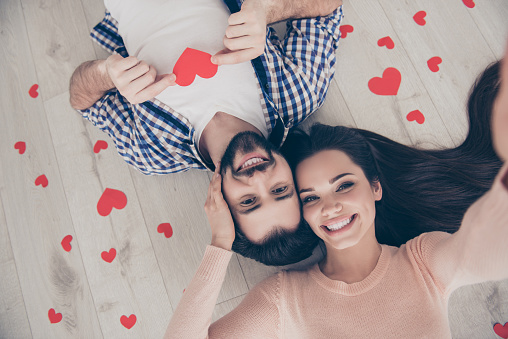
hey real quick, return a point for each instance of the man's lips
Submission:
(250, 160)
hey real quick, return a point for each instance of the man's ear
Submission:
(377, 190)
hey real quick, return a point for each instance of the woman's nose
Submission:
(331, 206)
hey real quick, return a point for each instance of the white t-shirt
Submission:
(158, 31)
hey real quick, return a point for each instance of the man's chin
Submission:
(242, 144)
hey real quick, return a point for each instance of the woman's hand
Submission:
(500, 113)
(219, 216)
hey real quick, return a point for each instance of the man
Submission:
(164, 120)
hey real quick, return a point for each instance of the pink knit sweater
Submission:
(405, 296)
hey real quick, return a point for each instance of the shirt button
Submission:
(267, 86)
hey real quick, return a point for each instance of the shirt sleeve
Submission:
(477, 252)
(255, 317)
(105, 33)
(301, 66)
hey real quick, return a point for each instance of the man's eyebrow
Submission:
(252, 209)
(331, 181)
(287, 196)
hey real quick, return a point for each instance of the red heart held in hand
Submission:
(41, 180)
(345, 29)
(110, 199)
(166, 229)
(128, 322)
(388, 84)
(20, 146)
(501, 330)
(419, 18)
(66, 243)
(416, 116)
(33, 91)
(108, 256)
(433, 63)
(54, 317)
(100, 145)
(193, 62)
(386, 41)
(469, 3)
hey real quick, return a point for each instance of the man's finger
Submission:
(156, 88)
(227, 57)
(244, 42)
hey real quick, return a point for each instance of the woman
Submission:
(361, 288)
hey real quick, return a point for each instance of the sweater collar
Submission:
(357, 288)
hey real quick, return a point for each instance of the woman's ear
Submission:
(377, 190)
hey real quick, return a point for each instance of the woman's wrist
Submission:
(223, 243)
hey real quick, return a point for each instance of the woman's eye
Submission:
(308, 199)
(280, 190)
(247, 202)
(345, 186)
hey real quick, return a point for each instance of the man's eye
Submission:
(280, 190)
(248, 202)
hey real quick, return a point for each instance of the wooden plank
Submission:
(59, 41)
(94, 13)
(475, 309)
(37, 218)
(450, 35)
(178, 199)
(13, 318)
(361, 59)
(131, 283)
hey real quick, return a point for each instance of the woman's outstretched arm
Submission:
(256, 317)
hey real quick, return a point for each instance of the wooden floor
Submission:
(53, 288)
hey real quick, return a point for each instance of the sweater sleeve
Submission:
(256, 316)
(477, 252)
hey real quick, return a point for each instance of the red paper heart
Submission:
(41, 180)
(469, 3)
(387, 85)
(110, 199)
(386, 41)
(20, 146)
(419, 18)
(54, 317)
(128, 322)
(166, 229)
(33, 91)
(501, 330)
(416, 116)
(100, 145)
(108, 256)
(191, 63)
(344, 30)
(66, 243)
(433, 63)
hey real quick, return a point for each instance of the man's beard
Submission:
(246, 142)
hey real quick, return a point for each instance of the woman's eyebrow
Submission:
(331, 181)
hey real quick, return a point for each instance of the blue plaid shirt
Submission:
(294, 75)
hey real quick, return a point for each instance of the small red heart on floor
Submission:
(419, 18)
(54, 317)
(387, 85)
(416, 116)
(110, 199)
(128, 322)
(108, 256)
(345, 29)
(191, 63)
(386, 41)
(166, 229)
(100, 145)
(20, 146)
(41, 180)
(501, 330)
(469, 3)
(33, 91)
(66, 243)
(433, 63)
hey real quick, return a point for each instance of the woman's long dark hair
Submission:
(423, 190)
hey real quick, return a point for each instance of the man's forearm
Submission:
(278, 10)
(89, 82)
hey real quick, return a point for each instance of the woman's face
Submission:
(338, 200)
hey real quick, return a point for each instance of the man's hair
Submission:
(280, 247)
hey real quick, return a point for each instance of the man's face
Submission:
(258, 186)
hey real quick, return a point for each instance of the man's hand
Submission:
(219, 216)
(136, 80)
(500, 113)
(245, 36)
